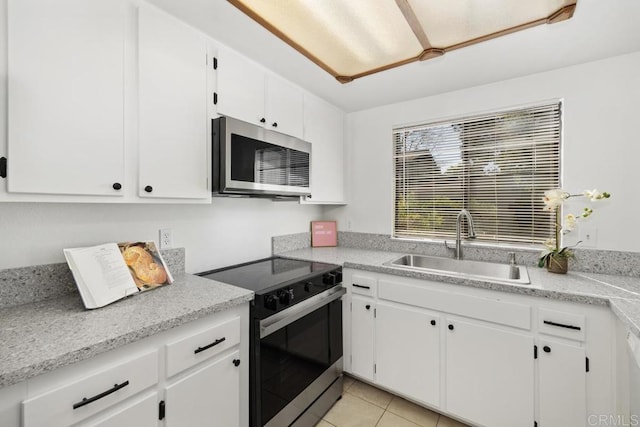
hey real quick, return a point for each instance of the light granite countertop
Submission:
(621, 293)
(42, 336)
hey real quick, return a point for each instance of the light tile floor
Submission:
(365, 406)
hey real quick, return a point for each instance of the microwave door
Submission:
(260, 167)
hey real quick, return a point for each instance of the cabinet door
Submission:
(362, 336)
(323, 128)
(66, 102)
(208, 396)
(284, 107)
(408, 352)
(489, 374)
(241, 91)
(173, 108)
(562, 385)
(140, 412)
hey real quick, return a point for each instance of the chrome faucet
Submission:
(472, 232)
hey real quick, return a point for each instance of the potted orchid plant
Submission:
(556, 258)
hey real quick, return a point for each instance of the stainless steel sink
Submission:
(509, 273)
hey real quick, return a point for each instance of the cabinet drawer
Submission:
(561, 324)
(187, 352)
(490, 310)
(91, 394)
(364, 285)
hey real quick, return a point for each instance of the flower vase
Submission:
(558, 264)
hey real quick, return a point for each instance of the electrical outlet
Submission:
(589, 237)
(165, 238)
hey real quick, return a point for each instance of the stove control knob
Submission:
(285, 296)
(329, 279)
(271, 302)
(307, 286)
(338, 276)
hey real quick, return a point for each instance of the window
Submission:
(497, 166)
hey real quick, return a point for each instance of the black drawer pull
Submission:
(561, 325)
(236, 362)
(86, 401)
(451, 327)
(433, 323)
(361, 286)
(206, 347)
(546, 349)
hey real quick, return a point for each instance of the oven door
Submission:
(298, 357)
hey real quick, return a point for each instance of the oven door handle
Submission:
(290, 315)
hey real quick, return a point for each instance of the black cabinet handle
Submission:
(148, 189)
(117, 186)
(236, 362)
(546, 349)
(433, 323)
(206, 347)
(561, 325)
(367, 306)
(86, 401)
(450, 327)
(274, 124)
(361, 286)
(263, 120)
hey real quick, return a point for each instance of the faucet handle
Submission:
(512, 258)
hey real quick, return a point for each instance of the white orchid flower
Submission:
(554, 198)
(594, 195)
(569, 222)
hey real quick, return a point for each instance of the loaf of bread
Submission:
(146, 271)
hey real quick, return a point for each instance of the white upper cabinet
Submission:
(173, 136)
(248, 93)
(66, 108)
(323, 128)
(104, 104)
(240, 92)
(284, 107)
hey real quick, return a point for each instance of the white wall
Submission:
(226, 232)
(601, 148)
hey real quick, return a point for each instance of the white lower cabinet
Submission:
(193, 375)
(362, 336)
(408, 352)
(562, 384)
(489, 358)
(489, 374)
(140, 412)
(209, 396)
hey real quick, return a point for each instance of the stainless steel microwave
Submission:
(250, 160)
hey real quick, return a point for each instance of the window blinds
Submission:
(496, 165)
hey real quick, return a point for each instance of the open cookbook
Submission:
(109, 272)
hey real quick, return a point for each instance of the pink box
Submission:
(323, 234)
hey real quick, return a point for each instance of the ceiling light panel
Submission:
(346, 38)
(451, 22)
(354, 38)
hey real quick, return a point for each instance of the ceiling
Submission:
(598, 29)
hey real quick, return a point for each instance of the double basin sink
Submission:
(503, 273)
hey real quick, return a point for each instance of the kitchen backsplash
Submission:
(36, 283)
(586, 260)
